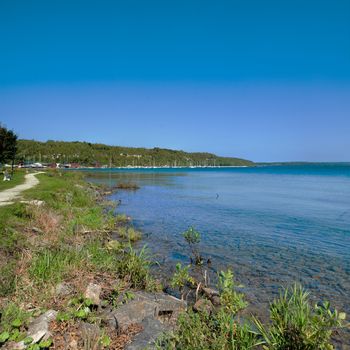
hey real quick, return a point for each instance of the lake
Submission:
(273, 225)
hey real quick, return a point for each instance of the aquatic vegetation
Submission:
(181, 278)
(193, 237)
(129, 233)
(230, 299)
(128, 186)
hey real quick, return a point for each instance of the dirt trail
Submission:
(11, 194)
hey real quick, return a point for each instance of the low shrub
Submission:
(296, 325)
(199, 331)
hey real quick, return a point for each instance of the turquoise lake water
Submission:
(273, 225)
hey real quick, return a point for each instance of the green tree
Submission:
(8, 145)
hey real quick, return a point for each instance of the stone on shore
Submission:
(63, 289)
(152, 329)
(93, 292)
(38, 330)
(159, 306)
(203, 305)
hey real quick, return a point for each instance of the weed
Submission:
(12, 319)
(231, 300)
(134, 267)
(193, 237)
(296, 325)
(121, 219)
(181, 278)
(53, 265)
(199, 331)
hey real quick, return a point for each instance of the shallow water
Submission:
(273, 225)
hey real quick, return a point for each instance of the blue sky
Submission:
(265, 80)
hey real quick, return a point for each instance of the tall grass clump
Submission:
(101, 257)
(53, 265)
(134, 267)
(296, 325)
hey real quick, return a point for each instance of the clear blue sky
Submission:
(265, 80)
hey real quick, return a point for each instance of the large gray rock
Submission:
(152, 329)
(157, 306)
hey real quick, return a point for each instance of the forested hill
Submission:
(90, 154)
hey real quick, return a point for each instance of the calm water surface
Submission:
(273, 225)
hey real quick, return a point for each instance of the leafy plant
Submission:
(193, 238)
(199, 331)
(231, 300)
(296, 325)
(78, 308)
(105, 340)
(181, 278)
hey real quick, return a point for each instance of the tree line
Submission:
(92, 154)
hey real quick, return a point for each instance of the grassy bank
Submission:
(64, 240)
(51, 250)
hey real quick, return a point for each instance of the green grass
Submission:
(59, 190)
(17, 179)
(296, 324)
(12, 242)
(52, 266)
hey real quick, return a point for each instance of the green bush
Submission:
(296, 325)
(199, 331)
(193, 237)
(229, 297)
(181, 278)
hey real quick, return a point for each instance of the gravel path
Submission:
(11, 194)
